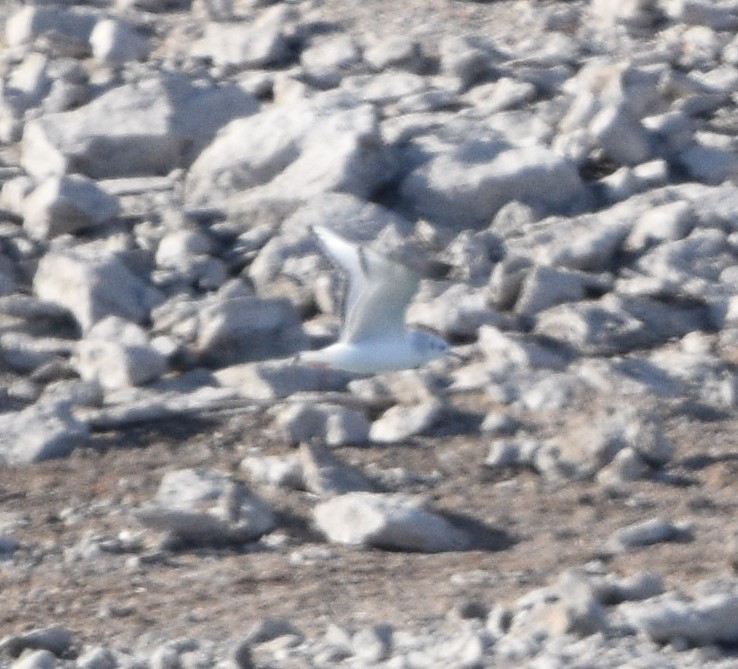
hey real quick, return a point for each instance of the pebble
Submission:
(400, 422)
(648, 532)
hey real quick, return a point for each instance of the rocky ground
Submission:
(175, 494)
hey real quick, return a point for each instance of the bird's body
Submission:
(373, 337)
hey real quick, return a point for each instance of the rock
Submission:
(649, 532)
(373, 644)
(668, 222)
(55, 640)
(326, 61)
(394, 51)
(67, 204)
(611, 590)
(248, 328)
(325, 475)
(512, 453)
(470, 184)
(115, 42)
(281, 151)
(97, 657)
(205, 507)
(25, 353)
(621, 137)
(31, 22)
(466, 58)
(328, 424)
(259, 43)
(144, 128)
(117, 354)
(92, 285)
(271, 628)
(577, 611)
(42, 431)
(402, 422)
(545, 287)
(275, 470)
(391, 522)
(505, 351)
(37, 659)
(241, 655)
(710, 620)
(709, 164)
(277, 379)
(626, 466)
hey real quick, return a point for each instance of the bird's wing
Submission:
(378, 289)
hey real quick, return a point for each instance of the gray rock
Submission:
(54, 639)
(649, 532)
(467, 186)
(577, 611)
(92, 285)
(394, 51)
(206, 507)
(710, 620)
(627, 465)
(277, 379)
(512, 453)
(465, 57)
(146, 128)
(115, 42)
(248, 328)
(394, 522)
(402, 422)
(709, 164)
(117, 354)
(269, 629)
(42, 431)
(611, 590)
(67, 204)
(546, 287)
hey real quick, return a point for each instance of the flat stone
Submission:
(649, 532)
(392, 522)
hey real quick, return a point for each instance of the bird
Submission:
(373, 335)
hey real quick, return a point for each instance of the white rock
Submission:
(665, 223)
(67, 204)
(275, 470)
(710, 620)
(14, 192)
(24, 352)
(394, 522)
(718, 16)
(614, 590)
(92, 286)
(117, 354)
(509, 350)
(41, 431)
(545, 287)
(373, 644)
(626, 466)
(505, 93)
(30, 22)
(465, 57)
(282, 150)
(327, 60)
(30, 79)
(146, 128)
(621, 137)
(116, 42)
(402, 422)
(394, 51)
(276, 379)
(37, 659)
(325, 475)
(206, 507)
(248, 328)
(467, 186)
(512, 453)
(329, 424)
(259, 43)
(97, 657)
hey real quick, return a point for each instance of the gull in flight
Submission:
(373, 336)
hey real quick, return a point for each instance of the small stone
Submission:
(325, 475)
(37, 659)
(270, 629)
(373, 644)
(54, 640)
(97, 657)
(275, 470)
(241, 655)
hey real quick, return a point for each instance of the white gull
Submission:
(373, 337)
